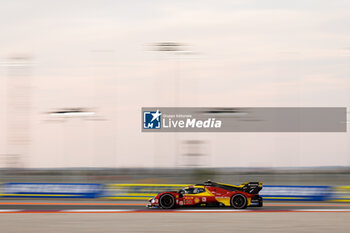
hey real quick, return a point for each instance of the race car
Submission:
(210, 194)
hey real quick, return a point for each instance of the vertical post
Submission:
(173, 48)
(18, 111)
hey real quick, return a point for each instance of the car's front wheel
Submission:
(167, 201)
(239, 201)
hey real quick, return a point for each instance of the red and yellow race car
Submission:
(211, 194)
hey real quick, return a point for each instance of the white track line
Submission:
(13, 210)
(266, 211)
(96, 210)
(322, 210)
(174, 211)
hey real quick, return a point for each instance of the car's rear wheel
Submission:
(167, 201)
(239, 201)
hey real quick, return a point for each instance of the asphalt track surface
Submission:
(57, 216)
(52, 206)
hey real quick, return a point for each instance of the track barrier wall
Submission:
(138, 191)
(340, 194)
(51, 190)
(147, 191)
(295, 193)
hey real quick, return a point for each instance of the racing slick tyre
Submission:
(239, 201)
(167, 201)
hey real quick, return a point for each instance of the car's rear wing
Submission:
(252, 187)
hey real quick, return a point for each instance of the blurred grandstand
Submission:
(269, 176)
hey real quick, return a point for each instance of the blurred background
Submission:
(75, 74)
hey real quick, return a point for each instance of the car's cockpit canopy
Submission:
(192, 190)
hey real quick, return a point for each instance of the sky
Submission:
(100, 55)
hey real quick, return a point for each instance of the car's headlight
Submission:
(153, 201)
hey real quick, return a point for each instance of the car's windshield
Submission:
(191, 190)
